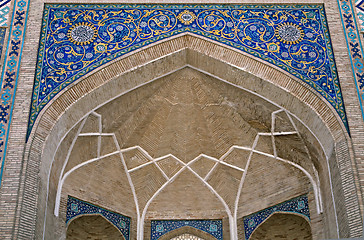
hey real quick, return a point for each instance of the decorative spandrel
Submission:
(77, 207)
(298, 205)
(162, 227)
(79, 38)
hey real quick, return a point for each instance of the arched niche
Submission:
(92, 227)
(283, 226)
(316, 119)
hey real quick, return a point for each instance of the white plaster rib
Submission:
(195, 159)
(227, 209)
(95, 134)
(241, 187)
(140, 235)
(223, 157)
(313, 182)
(160, 169)
(273, 129)
(277, 133)
(318, 195)
(59, 191)
(141, 224)
(232, 218)
(49, 175)
(100, 131)
(198, 157)
(59, 188)
(129, 180)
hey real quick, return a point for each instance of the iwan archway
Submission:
(186, 129)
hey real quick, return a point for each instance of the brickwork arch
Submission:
(318, 120)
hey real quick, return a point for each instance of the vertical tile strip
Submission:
(354, 46)
(10, 73)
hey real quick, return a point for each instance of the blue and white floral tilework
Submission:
(76, 207)
(76, 39)
(161, 227)
(297, 205)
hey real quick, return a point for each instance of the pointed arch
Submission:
(128, 73)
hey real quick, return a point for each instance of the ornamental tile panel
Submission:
(10, 71)
(4, 13)
(2, 39)
(76, 207)
(161, 227)
(76, 39)
(354, 45)
(297, 205)
(359, 4)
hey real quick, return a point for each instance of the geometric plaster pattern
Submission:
(76, 39)
(297, 205)
(161, 227)
(133, 165)
(76, 208)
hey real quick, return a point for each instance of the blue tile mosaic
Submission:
(10, 71)
(297, 205)
(161, 227)
(354, 44)
(76, 207)
(4, 14)
(360, 13)
(76, 39)
(2, 39)
(4, 2)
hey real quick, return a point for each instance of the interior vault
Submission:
(187, 146)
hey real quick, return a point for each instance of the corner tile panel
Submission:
(297, 205)
(161, 227)
(76, 207)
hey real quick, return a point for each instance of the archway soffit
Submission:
(77, 39)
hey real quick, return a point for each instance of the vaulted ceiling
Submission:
(187, 145)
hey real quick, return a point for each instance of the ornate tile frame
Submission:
(10, 73)
(298, 205)
(354, 45)
(77, 208)
(309, 58)
(161, 227)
